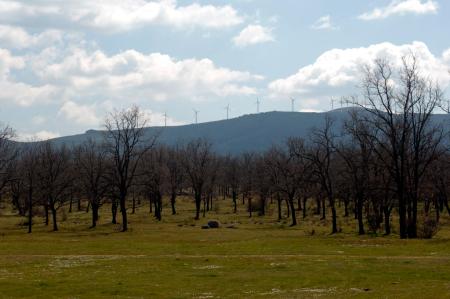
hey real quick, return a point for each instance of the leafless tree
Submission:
(90, 162)
(126, 143)
(321, 154)
(54, 177)
(198, 160)
(399, 104)
(175, 174)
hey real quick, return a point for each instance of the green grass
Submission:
(258, 258)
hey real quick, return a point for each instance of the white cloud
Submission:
(158, 119)
(253, 34)
(402, 7)
(9, 62)
(339, 70)
(446, 56)
(134, 75)
(120, 15)
(14, 37)
(80, 114)
(324, 23)
(38, 136)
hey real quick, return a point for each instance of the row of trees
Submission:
(388, 155)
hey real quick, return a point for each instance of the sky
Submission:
(64, 65)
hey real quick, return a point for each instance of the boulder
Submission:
(213, 224)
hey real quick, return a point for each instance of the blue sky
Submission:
(65, 64)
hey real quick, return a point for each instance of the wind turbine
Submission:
(292, 104)
(257, 105)
(332, 103)
(227, 107)
(196, 115)
(165, 119)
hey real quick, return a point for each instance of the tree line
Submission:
(388, 158)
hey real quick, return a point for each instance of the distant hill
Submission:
(254, 132)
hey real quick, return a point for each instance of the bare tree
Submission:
(8, 155)
(197, 161)
(126, 144)
(54, 177)
(154, 172)
(90, 161)
(399, 104)
(321, 155)
(175, 174)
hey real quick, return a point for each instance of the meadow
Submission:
(246, 257)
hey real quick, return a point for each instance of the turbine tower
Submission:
(293, 104)
(165, 119)
(196, 115)
(227, 107)
(257, 105)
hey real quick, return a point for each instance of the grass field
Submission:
(245, 258)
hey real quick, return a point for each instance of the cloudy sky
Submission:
(65, 64)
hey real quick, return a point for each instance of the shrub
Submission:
(428, 229)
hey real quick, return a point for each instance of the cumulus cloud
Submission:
(120, 15)
(9, 62)
(339, 68)
(324, 23)
(400, 8)
(446, 56)
(253, 34)
(80, 114)
(154, 76)
(14, 37)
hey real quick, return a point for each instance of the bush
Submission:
(373, 223)
(428, 229)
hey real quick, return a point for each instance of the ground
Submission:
(245, 258)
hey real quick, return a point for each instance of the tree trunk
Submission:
(173, 197)
(30, 209)
(158, 207)
(55, 225)
(294, 218)
(333, 212)
(114, 212)
(234, 201)
(346, 208)
(318, 207)
(359, 212)
(94, 215)
(304, 206)
(123, 210)
(46, 214)
(324, 208)
(288, 208)
(71, 202)
(387, 221)
(299, 204)
(250, 206)
(279, 207)
(133, 208)
(198, 202)
(263, 205)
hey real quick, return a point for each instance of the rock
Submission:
(205, 227)
(213, 224)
